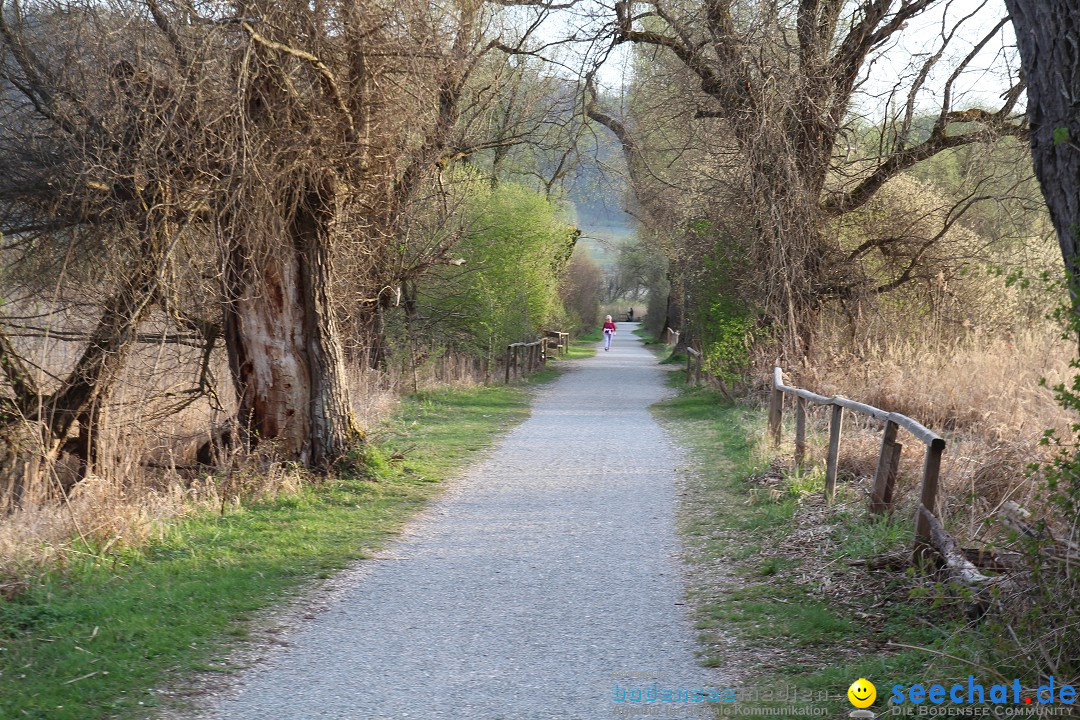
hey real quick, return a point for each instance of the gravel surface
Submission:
(543, 578)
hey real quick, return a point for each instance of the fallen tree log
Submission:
(957, 566)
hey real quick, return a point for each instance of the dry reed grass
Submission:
(147, 478)
(986, 385)
(984, 394)
(107, 514)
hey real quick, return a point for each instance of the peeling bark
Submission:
(283, 342)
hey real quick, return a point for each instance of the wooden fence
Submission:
(929, 532)
(670, 337)
(525, 358)
(696, 375)
(559, 341)
(693, 366)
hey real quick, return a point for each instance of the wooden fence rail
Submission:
(525, 358)
(881, 496)
(558, 341)
(693, 366)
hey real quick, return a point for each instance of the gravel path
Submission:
(538, 582)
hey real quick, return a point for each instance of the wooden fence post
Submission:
(928, 496)
(509, 354)
(930, 534)
(835, 425)
(885, 477)
(689, 358)
(894, 472)
(776, 409)
(800, 430)
(697, 373)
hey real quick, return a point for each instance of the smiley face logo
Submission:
(862, 693)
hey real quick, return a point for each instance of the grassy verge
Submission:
(782, 587)
(647, 336)
(92, 639)
(666, 353)
(584, 346)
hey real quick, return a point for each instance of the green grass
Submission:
(91, 640)
(584, 346)
(647, 336)
(662, 350)
(779, 630)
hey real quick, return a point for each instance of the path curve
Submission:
(539, 581)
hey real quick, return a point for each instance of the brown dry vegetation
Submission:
(232, 235)
(112, 514)
(986, 395)
(149, 478)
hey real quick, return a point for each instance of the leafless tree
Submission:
(777, 82)
(263, 154)
(87, 201)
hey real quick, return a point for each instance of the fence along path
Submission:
(930, 534)
(525, 358)
(545, 579)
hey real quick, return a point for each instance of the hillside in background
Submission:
(600, 193)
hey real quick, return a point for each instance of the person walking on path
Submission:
(609, 332)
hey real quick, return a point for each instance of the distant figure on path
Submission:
(630, 315)
(609, 332)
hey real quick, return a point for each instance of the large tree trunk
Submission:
(1048, 37)
(676, 307)
(789, 245)
(283, 341)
